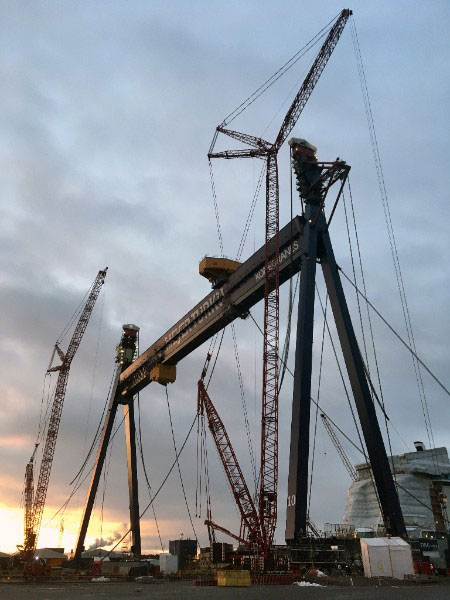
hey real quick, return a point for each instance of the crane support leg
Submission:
(296, 512)
(130, 437)
(319, 244)
(96, 473)
(390, 504)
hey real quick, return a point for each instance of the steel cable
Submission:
(391, 234)
(179, 468)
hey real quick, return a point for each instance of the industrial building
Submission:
(185, 550)
(423, 483)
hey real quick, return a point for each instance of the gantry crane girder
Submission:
(298, 244)
(228, 301)
(303, 242)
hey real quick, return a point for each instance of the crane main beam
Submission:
(234, 298)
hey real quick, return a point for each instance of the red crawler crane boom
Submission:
(263, 149)
(33, 518)
(233, 471)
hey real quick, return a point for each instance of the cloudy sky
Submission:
(106, 115)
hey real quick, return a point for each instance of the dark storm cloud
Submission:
(106, 115)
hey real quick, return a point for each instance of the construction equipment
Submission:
(302, 243)
(231, 299)
(240, 491)
(314, 180)
(33, 517)
(28, 493)
(126, 352)
(333, 437)
(268, 490)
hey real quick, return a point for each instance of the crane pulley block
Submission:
(163, 374)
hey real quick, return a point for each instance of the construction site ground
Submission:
(185, 590)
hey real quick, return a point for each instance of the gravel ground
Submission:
(185, 591)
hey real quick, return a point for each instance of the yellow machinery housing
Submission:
(234, 579)
(216, 269)
(163, 374)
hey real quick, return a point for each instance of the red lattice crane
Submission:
(33, 516)
(267, 500)
(239, 488)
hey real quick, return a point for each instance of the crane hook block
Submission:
(163, 374)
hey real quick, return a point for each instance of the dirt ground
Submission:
(184, 590)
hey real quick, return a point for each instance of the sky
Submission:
(106, 116)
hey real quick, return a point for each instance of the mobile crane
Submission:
(35, 501)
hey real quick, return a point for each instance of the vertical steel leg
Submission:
(384, 482)
(130, 437)
(297, 501)
(96, 474)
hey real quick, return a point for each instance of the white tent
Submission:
(386, 557)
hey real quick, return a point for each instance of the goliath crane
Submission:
(268, 152)
(299, 245)
(34, 507)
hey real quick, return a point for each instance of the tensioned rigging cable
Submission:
(367, 367)
(287, 339)
(149, 487)
(74, 316)
(179, 468)
(286, 346)
(251, 212)
(105, 479)
(159, 489)
(244, 405)
(312, 399)
(47, 377)
(279, 73)
(217, 356)
(216, 207)
(94, 371)
(97, 433)
(390, 230)
(240, 109)
(317, 406)
(354, 278)
(398, 336)
(80, 482)
(355, 422)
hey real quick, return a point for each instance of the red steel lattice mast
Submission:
(32, 530)
(267, 504)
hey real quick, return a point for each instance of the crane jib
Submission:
(242, 290)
